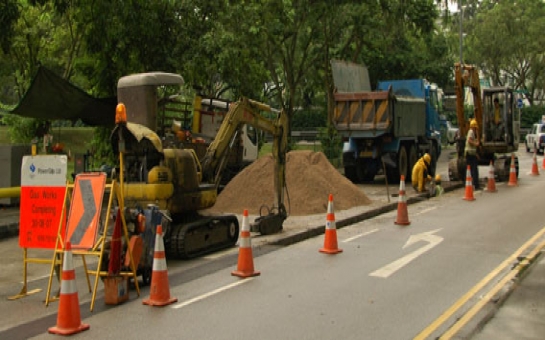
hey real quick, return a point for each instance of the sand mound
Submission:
(310, 178)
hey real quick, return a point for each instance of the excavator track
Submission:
(203, 236)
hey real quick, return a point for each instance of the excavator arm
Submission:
(467, 76)
(247, 111)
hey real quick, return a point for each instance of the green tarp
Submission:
(51, 97)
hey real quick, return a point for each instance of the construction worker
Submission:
(470, 152)
(498, 126)
(420, 174)
(438, 188)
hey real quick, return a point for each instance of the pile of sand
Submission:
(310, 178)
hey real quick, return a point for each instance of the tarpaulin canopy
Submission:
(52, 97)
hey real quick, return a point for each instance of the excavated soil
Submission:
(310, 178)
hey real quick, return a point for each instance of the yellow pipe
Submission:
(10, 192)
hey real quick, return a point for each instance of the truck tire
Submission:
(413, 158)
(433, 154)
(394, 174)
(351, 173)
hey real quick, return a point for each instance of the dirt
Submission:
(310, 178)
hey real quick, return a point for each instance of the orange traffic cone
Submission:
(68, 317)
(469, 185)
(535, 170)
(159, 288)
(402, 213)
(245, 266)
(543, 164)
(330, 240)
(491, 187)
(512, 173)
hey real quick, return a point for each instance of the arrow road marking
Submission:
(89, 211)
(389, 269)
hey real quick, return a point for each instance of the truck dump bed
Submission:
(364, 114)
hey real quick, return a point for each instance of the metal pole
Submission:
(461, 13)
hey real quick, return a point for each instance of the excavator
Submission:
(496, 142)
(173, 182)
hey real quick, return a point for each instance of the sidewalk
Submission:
(519, 313)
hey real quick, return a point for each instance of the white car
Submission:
(450, 131)
(535, 139)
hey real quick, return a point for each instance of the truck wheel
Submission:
(350, 173)
(527, 147)
(413, 158)
(394, 174)
(433, 154)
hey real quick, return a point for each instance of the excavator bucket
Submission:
(269, 224)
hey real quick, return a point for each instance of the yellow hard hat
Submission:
(427, 158)
(473, 124)
(438, 178)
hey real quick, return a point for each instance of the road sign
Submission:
(520, 104)
(43, 186)
(85, 206)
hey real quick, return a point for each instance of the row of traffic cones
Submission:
(69, 320)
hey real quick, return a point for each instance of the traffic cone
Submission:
(543, 164)
(245, 266)
(68, 317)
(491, 186)
(330, 240)
(512, 173)
(159, 288)
(535, 170)
(402, 213)
(469, 185)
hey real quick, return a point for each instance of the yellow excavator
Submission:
(174, 182)
(497, 142)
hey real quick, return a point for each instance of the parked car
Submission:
(535, 139)
(449, 131)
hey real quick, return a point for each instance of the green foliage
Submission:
(309, 119)
(331, 143)
(530, 115)
(100, 146)
(21, 129)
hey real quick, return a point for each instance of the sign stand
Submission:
(83, 224)
(43, 184)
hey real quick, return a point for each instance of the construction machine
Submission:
(497, 142)
(175, 182)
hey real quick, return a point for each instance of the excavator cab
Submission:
(501, 122)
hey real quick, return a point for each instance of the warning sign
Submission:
(82, 225)
(43, 186)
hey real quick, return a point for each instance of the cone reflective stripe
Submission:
(330, 240)
(245, 266)
(159, 288)
(512, 173)
(491, 186)
(535, 170)
(469, 185)
(68, 317)
(402, 213)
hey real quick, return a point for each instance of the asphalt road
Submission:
(343, 296)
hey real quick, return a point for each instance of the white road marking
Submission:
(360, 235)
(209, 294)
(391, 268)
(425, 211)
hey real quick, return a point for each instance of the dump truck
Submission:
(387, 130)
(176, 182)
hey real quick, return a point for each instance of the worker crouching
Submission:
(420, 174)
